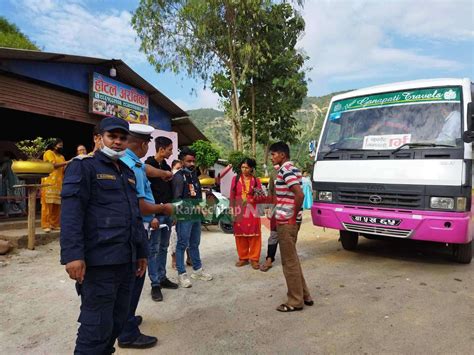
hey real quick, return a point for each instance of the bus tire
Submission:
(462, 253)
(348, 239)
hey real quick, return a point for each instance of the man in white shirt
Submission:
(451, 128)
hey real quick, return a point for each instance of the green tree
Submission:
(235, 158)
(12, 37)
(206, 155)
(278, 84)
(208, 39)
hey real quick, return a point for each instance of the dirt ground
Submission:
(387, 297)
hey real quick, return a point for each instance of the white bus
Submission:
(396, 161)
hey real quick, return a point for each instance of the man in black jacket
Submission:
(160, 237)
(187, 191)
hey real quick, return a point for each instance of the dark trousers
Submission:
(130, 331)
(272, 245)
(105, 300)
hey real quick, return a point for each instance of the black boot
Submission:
(156, 294)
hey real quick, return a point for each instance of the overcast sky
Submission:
(351, 43)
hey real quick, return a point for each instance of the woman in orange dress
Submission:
(51, 193)
(247, 227)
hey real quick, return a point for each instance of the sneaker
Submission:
(184, 280)
(201, 275)
(156, 294)
(167, 283)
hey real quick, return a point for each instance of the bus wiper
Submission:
(427, 144)
(342, 150)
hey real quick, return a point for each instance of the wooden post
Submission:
(31, 216)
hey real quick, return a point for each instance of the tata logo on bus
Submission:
(375, 199)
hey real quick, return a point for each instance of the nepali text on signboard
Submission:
(112, 98)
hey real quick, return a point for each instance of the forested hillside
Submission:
(216, 127)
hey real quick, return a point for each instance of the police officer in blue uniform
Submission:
(103, 242)
(140, 135)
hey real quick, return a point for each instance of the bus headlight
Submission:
(325, 196)
(461, 203)
(442, 203)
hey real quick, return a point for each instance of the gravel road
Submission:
(387, 297)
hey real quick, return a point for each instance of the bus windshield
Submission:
(388, 121)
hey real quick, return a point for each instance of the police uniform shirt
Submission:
(100, 218)
(143, 186)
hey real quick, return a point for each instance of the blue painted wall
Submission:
(75, 77)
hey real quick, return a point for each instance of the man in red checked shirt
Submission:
(288, 214)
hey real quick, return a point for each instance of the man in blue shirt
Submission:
(138, 141)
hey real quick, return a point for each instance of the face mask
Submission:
(189, 169)
(112, 154)
(59, 150)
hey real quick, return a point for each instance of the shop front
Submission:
(64, 96)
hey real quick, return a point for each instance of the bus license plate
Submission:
(375, 220)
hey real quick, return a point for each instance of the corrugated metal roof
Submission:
(128, 75)
(187, 131)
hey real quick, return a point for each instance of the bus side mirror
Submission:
(468, 135)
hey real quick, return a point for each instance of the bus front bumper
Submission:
(444, 227)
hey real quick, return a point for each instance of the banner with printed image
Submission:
(109, 97)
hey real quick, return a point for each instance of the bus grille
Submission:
(406, 200)
(388, 232)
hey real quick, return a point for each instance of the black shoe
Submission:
(142, 342)
(156, 294)
(139, 320)
(167, 283)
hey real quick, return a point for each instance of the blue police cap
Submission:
(111, 123)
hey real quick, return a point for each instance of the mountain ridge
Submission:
(217, 128)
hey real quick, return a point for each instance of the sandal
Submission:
(241, 263)
(308, 302)
(287, 308)
(255, 265)
(265, 267)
